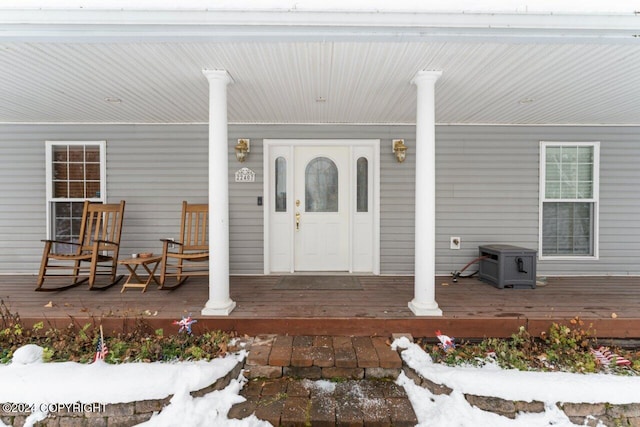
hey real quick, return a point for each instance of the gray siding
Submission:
(153, 168)
(487, 189)
(487, 192)
(22, 192)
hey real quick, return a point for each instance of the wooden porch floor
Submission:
(471, 309)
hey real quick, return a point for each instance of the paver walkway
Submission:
(324, 381)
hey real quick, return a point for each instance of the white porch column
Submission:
(219, 304)
(424, 301)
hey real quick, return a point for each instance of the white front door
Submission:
(322, 208)
(321, 205)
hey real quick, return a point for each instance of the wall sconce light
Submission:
(242, 148)
(399, 149)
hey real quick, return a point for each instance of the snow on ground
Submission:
(549, 387)
(209, 410)
(454, 411)
(28, 380)
(491, 380)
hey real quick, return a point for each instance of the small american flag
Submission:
(604, 356)
(101, 348)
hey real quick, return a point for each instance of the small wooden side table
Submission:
(135, 281)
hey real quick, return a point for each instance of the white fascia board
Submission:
(244, 25)
(466, 6)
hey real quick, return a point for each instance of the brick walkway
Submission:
(324, 381)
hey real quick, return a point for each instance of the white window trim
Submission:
(595, 200)
(49, 176)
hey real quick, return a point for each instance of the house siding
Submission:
(487, 189)
(487, 192)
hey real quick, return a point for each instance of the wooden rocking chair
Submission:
(188, 254)
(98, 246)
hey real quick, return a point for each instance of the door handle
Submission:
(297, 221)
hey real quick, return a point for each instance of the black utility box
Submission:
(507, 266)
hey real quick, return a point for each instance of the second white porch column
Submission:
(424, 298)
(219, 304)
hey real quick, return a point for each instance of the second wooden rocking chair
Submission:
(188, 256)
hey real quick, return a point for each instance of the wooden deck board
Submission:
(470, 308)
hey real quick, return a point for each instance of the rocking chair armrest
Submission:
(64, 242)
(173, 242)
(108, 242)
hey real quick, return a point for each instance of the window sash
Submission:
(569, 172)
(567, 229)
(75, 171)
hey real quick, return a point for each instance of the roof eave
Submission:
(280, 25)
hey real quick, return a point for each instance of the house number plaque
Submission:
(245, 175)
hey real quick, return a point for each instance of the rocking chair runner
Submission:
(98, 245)
(191, 251)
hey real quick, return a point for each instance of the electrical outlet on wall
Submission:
(454, 243)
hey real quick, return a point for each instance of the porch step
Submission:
(324, 381)
(289, 402)
(321, 357)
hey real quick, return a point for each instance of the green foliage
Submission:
(562, 348)
(568, 346)
(13, 334)
(47, 354)
(72, 343)
(78, 342)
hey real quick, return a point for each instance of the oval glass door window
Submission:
(321, 185)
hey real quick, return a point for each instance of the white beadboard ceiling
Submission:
(286, 79)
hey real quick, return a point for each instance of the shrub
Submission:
(560, 348)
(78, 342)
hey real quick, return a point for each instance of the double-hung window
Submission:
(569, 181)
(75, 173)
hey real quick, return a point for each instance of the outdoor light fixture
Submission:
(242, 148)
(399, 149)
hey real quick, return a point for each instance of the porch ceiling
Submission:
(359, 76)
